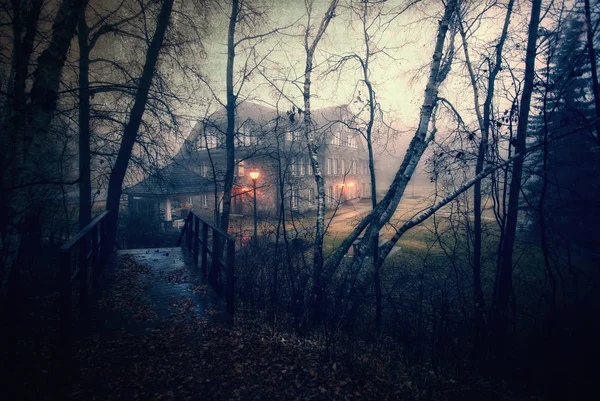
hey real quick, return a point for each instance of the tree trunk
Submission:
(318, 292)
(484, 128)
(85, 186)
(592, 53)
(131, 129)
(504, 277)
(387, 206)
(230, 134)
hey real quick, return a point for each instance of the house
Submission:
(271, 141)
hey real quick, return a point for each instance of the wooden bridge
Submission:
(200, 272)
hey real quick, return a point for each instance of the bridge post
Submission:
(215, 271)
(204, 249)
(83, 278)
(229, 297)
(196, 238)
(189, 227)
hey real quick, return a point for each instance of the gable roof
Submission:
(175, 178)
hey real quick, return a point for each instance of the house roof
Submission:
(180, 178)
(176, 178)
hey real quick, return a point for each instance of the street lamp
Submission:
(254, 174)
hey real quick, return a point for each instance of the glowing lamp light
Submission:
(254, 174)
(350, 184)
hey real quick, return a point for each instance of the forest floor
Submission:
(187, 355)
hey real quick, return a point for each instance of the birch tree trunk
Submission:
(117, 175)
(504, 277)
(385, 209)
(318, 292)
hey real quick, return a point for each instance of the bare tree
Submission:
(135, 119)
(310, 46)
(484, 120)
(503, 284)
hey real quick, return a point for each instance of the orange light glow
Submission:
(254, 174)
(350, 184)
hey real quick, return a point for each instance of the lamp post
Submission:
(254, 174)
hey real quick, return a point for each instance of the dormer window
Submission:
(207, 139)
(335, 139)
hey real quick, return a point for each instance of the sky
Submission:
(408, 41)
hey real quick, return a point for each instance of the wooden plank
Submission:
(71, 243)
(216, 229)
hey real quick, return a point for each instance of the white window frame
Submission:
(190, 201)
(293, 166)
(204, 200)
(294, 199)
(329, 166)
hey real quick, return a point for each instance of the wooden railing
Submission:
(220, 274)
(80, 260)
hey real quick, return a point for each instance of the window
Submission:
(344, 139)
(302, 167)
(329, 196)
(204, 200)
(343, 166)
(335, 140)
(311, 196)
(250, 137)
(293, 166)
(329, 166)
(189, 201)
(207, 139)
(335, 167)
(238, 170)
(353, 167)
(204, 169)
(294, 136)
(294, 198)
(309, 166)
(352, 141)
